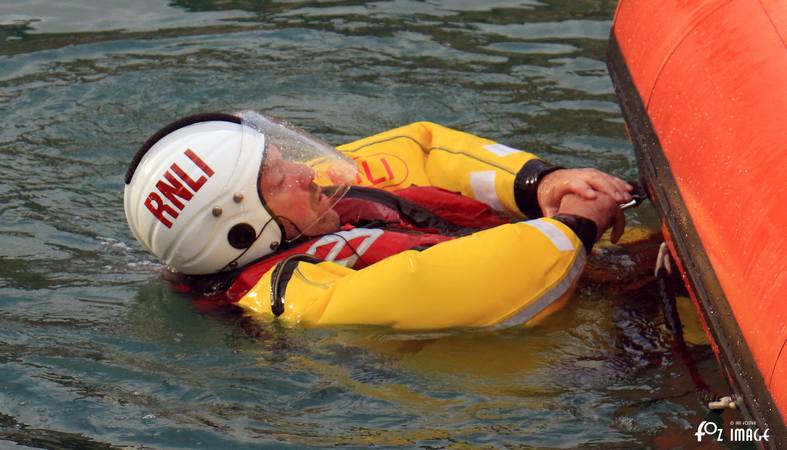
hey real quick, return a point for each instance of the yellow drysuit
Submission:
(504, 276)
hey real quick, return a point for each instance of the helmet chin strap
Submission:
(299, 232)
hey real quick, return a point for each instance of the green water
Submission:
(95, 352)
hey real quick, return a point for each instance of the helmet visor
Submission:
(301, 177)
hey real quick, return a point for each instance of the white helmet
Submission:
(192, 191)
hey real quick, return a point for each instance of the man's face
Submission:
(289, 191)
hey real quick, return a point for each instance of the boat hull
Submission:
(703, 88)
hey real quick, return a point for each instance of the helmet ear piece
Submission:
(241, 236)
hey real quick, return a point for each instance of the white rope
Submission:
(663, 260)
(722, 403)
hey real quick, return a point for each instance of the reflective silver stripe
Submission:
(535, 307)
(501, 150)
(483, 186)
(555, 234)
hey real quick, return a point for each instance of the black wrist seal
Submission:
(526, 186)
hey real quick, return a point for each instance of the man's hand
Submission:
(586, 183)
(603, 210)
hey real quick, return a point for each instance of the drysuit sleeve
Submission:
(487, 279)
(427, 154)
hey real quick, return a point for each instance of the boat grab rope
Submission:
(672, 320)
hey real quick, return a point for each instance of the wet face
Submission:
(290, 193)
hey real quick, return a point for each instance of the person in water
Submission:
(420, 227)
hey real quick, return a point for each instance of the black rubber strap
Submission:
(281, 276)
(526, 186)
(585, 229)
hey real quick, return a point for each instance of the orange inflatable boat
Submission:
(703, 88)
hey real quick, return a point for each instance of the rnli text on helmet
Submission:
(176, 189)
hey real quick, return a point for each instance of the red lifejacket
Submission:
(377, 224)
